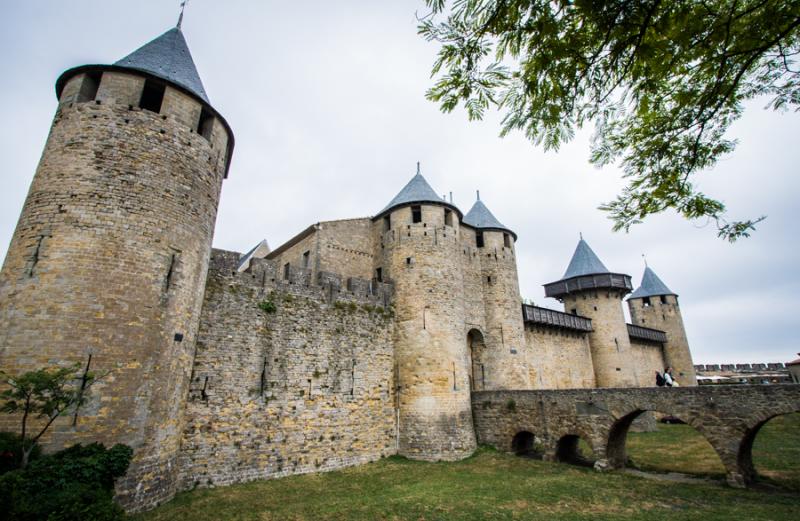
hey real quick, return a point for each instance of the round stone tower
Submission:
(107, 266)
(589, 289)
(654, 305)
(505, 357)
(418, 240)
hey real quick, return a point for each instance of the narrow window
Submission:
(646, 301)
(479, 239)
(489, 279)
(152, 96)
(574, 311)
(205, 124)
(448, 217)
(286, 271)
(506, 240)
(306, 257)
(89, 86)
(408, 261)
(387, 223)
(379, 275)
(663, 299)
(416, 214)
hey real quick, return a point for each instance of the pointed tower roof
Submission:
(168, 58)
(586, 272)
(584, 262)
(481, 218)
(416, 191)
(651, 286)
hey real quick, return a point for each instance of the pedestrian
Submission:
(669, 380)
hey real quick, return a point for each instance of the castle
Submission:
(355, 340)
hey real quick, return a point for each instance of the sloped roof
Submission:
(168, 58)
(415, 191)
(651, 286)
(584, 262)
(480, 217)
(259, 251)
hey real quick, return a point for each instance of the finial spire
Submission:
(645, 260)
(180, 17)
(478, 193)
(417, 167)
(580, 234)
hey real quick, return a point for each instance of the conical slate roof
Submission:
(168, 58)
(651, 286)
(416, 191)
(584, 262)
(480, 217)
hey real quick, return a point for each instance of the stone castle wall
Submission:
(344, 247)
(107, 266)
(664, 313)
(433, 369)
(648, 357)
(560, 359)
(306, 387)
(609, 340)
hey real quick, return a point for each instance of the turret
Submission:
(417, 234)
(589, 289)
(107, 266)
(503, 364)
(655, 306)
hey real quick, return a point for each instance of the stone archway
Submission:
(568, 451)
(745, 455)
(524, 444)
(617, 454)
(477, 352)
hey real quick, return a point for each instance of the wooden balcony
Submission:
(552, 318)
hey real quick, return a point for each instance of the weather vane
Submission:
(180, 18)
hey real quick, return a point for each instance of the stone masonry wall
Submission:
(305, 387)
(729, 417)
(666, 316)
(609, 340)
(107, 267)
(560, 359)
(648, 358)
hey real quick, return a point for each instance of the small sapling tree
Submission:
(44, 395)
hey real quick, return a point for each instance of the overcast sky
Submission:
(326, 100)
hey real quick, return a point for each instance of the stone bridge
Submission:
(729, 417)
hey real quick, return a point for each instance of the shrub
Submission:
(73, 484)
(511, 405)
(11, 451)
(267, 306)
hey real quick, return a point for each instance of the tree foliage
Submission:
(662, 81)
(43, 395)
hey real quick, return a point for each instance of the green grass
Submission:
(497, 486)
(680, 448)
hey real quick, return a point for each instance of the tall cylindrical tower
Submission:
(107, 266)
(505, 358)
(654, 305)
(590, 290)
(418, 235)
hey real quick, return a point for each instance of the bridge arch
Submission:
(616, 452)
(744, 458)
(568, 450)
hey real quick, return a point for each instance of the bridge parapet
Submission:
(729, 417)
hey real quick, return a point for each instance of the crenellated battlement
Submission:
(266, 275)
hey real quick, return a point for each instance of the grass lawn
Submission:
(493, 485)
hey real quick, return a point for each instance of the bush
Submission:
(267, 306)
(11, 452)
(73, 484)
